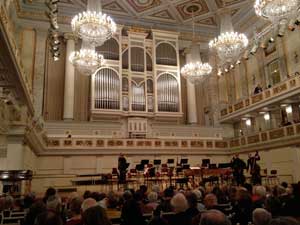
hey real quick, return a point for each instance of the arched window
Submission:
(137, 59)
(166, 54)
(167, 93)
(138, 97)
(125, 59)
(110, 49)
(106, 89)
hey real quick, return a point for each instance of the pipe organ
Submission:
(141, 77)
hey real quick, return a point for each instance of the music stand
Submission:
(186, 166)
(139, 167)
(170, 161)
(156, 162)
(183, 161)
(212, 166)
(144, 162)
(205, 162)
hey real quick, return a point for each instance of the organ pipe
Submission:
(167, 93)
(107, 89)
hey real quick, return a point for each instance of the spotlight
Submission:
(231, 66)
(267, 116)
(238, 62)
(248, 122)
(271, 40)
(226, 70)
(219, 72)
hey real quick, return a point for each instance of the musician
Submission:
(122, 167)
(238, 166)
(254, 168)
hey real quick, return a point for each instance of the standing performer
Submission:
(254, 168)
(122, 167)
(238, 166)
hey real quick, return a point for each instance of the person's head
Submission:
(127, 195)
(168, 192)
(75, 206)
(214, 217)
(210, 200)
(95, 216)
(50, 192)
(54, 203)
(260, 191)
(88, 203)
(179, 203)
(261, 216)
(152, 196)
(284, 184)
(48, 218)
(284, 221)
(198, 194)
(192, 199)
(86, 194)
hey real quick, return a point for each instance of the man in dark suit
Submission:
(122, 167)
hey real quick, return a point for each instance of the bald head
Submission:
(88, 203)
(214, 217)
(210, 200)
(261, 216)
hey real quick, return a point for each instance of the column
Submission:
(69, 80)
(191, 97)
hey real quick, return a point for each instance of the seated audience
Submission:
(180, 205)
(75, 212)
(214, 217)
(157, 218)
(210, 201)
(284, 221)
(152, 204)
(48, 218)
(261, 217)
(259, 196)
(95, 216)
(192, 210)
(88, 203)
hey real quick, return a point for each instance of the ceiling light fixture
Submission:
(195, 70)
(229, 45)
(92, 25)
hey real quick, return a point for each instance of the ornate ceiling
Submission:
(159, 14)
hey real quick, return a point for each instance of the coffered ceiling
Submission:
(159, 14)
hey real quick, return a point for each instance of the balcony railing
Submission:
(280, 91)
(278, 137)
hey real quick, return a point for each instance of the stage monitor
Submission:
(145, 161)
(156, 161)
(170, 161)
(183, 161)
(224, 165)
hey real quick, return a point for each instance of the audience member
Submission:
(214, 217)
(152, 198)
(180, 205)
(95, 216)
(88, 203)
(284, 221)
(75, 212)
(210, 201)
(48, 218)
(261, 217)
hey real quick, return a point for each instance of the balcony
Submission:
(285, 89)
(274, 138)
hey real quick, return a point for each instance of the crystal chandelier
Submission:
(87, 60)
(93, 26)
(229, 45)
(277, 10)
(195, 70)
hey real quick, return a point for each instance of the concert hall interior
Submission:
(108, 95)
